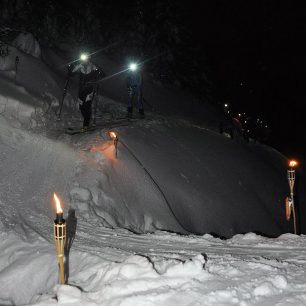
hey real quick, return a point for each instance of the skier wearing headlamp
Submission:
(89, 74)
(134, 85)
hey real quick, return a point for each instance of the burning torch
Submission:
(60, 237)
(114, 137)
(290, 200)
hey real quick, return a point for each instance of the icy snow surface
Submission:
(122, 213)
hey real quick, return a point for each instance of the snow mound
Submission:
(132, 282)
(24, 269)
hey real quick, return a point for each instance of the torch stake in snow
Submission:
(114, 137)
(60, 237)
(290, 201)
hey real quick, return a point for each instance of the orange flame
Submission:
(112, 135)
(293, 163)
(59, 209)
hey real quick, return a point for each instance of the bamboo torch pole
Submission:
(291, 180)
(60, 237)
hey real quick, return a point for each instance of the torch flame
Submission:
(112, 135)
(293, 163)
(59, 209)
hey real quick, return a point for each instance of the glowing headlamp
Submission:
(133, 67)
(84, 57)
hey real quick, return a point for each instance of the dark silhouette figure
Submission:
(89, 75)
(134, 85)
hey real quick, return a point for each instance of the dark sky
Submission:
(256, 51)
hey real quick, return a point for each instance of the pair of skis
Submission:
(107, 124)
(118, 121)
(64, 93)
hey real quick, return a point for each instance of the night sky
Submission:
(256, 51)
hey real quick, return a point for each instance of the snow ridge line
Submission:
(156, 184)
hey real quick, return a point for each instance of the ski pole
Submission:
(100, 73)
(16, 67)
(95, 104)
(64, 94)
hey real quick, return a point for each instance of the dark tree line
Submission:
(156, 32)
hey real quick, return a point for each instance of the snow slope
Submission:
(180, 159)
(171, 174)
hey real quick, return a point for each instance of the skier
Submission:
(89, 73)
(134, 85)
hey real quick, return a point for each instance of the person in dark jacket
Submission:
(89, 74)
(134, 85)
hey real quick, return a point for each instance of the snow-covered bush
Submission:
(28, 44)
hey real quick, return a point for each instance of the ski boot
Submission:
(130, 112)
(141, 113)
(84, 129)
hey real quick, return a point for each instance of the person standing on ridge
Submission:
(89, 74)
(134, 85)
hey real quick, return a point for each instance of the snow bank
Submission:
(31, 81)
(24, 269)
(27, 43)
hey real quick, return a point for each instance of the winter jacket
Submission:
(134, 79)
(88, 73)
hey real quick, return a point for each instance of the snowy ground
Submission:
(116, 267)
(171, 176)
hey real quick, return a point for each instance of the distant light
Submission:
(293, 163)
(133, 66)
(84, 57)
(225, 105)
